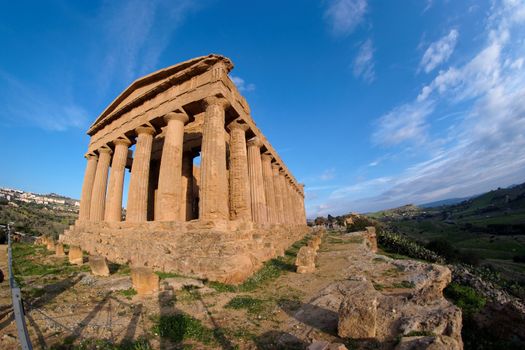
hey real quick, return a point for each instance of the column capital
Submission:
(256, 142)
(276, 166)
(215, 100)
(177, 115)
(122, 141)
(238, 124)
(145, 129)
(89, 156)
(267, 156)
(104, 149)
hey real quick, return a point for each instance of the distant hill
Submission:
(448, 201)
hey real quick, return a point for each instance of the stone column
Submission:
(278, 193)
(286, 197)
(213, 201)
(87, 187)
(187, 186)
(98, 196)
(303, 209)
(116, 181)
(169, 193)
(137, 210)
(269, 190)
(258, 197)
(240, 207)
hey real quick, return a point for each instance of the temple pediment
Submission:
(150, 85)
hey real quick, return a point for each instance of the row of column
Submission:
(258, 189)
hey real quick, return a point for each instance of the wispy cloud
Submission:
(483, 147)
(242, 85)
(345, 15)
(133, 35)
(22, 104)
(364, 66)
(439, 52)
(328, 174)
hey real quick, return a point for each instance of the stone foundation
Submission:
(223, 251)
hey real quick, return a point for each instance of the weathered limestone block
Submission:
(75, 255)
(305, 260)
(372, 238)
(429, 280)
(358, 312)
(324, 345)
(59, 249)
(98, 265)
(144, 280)
(440, 342)
(179, 283)
(50, 245)
(315, 243)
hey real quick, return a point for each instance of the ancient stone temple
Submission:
(219, 218)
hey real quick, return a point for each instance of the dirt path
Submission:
(70, 307)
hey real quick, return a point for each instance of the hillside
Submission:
(37, 219)
(488, 229)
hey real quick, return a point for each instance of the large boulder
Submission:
(358, 311)
(305, 260)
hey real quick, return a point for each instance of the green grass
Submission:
(128, 293)
(163, 275)
(180, 327)
(465, 297)
(27, 261)
(271, 270)
(403, 284)
(251, 305)
(103, 344)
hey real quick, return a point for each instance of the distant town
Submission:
(52, 200)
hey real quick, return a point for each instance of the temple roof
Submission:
(153, 81)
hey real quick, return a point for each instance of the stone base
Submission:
(75, 255)
(98, 265)
(144, 280)
(305, 269)
(223, 251)
(59, 250)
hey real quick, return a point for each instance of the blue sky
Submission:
(372, 104)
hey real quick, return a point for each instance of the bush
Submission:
(466, 298)
(398, 244)
(360, 223)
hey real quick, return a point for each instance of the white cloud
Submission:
(364, 66)
(482, 147)
(404, 123)
(242, 85)
(328, 174)
(345, 15)
(23, 104)
(439, 52)
(133, 34)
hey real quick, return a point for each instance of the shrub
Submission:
(466, 298)
(392, 242)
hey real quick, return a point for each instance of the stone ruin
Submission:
(220, 219)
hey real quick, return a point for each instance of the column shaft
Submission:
(213, 201)
(278, 194)
(116, 181)
(286, 198)
(269, 190)
(137, 210)
(187, 186)
(98, 197)
(258, 198)
(240, 207)
(169, 194)
(87, 187)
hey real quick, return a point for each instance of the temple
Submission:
(219, 219)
